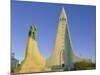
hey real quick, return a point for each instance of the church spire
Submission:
(63, 14)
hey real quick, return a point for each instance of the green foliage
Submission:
(83, 65)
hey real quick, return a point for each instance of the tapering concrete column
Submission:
(56, 58)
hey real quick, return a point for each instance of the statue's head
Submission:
(32, 32)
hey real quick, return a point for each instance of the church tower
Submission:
(63, 54)
(33, 61)
(56, 57)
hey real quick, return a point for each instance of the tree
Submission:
(83, 65)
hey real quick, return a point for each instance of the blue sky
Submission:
(81, 21)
